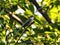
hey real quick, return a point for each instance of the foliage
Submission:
(39, 33)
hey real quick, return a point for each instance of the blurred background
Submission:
(22, 24)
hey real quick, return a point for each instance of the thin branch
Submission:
(25, 25)
(39, 8)
(14, 16)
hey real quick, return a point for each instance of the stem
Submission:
(39, 8)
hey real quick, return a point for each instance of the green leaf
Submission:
(31, 8)
(1, 20)
(28, 12)
(14, 1)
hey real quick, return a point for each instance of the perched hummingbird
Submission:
(29, 21)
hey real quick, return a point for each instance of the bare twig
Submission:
(14, 16)
(39, 8)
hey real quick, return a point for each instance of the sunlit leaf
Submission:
(28, 12)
